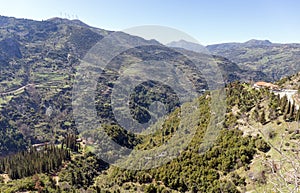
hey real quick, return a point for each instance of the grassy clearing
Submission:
(46, 78)
(10, 85)
(89, 148)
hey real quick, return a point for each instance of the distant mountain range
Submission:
(188, 46)
(273, 59)
(27, 44)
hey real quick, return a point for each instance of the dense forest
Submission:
(44, 158)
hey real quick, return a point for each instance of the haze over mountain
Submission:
(273, 59)
(187, 45)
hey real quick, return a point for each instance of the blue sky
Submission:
(211, 21)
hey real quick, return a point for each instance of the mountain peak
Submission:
(181, 42)
(187, 45)
(66, 21)
(258, 42)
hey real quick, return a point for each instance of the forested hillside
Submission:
(42, 150)
(239, 160)
(39, 61)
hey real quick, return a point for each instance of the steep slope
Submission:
(259, 135)
(256, 147)
(39, 61)
(291, 82)
(230, 70)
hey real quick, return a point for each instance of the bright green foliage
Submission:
(82, 170)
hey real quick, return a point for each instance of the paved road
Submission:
(288, 93)
(14, 91)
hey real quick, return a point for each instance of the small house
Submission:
(266, 85)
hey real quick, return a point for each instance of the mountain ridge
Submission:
(276, 60)
(42, 112)
(47, 55)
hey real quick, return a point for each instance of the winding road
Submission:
(14, 91)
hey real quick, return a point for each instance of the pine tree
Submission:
(297, 118)
(30, 162)
(262, 118)
(283, 103)
(292, 112)
(287, 111)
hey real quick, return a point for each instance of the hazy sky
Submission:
(210, 21)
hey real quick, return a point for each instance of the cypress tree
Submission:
(297, 118)
(283, 103)
(292, 111)
(30, 162)
(262, 117)
(287, 111)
